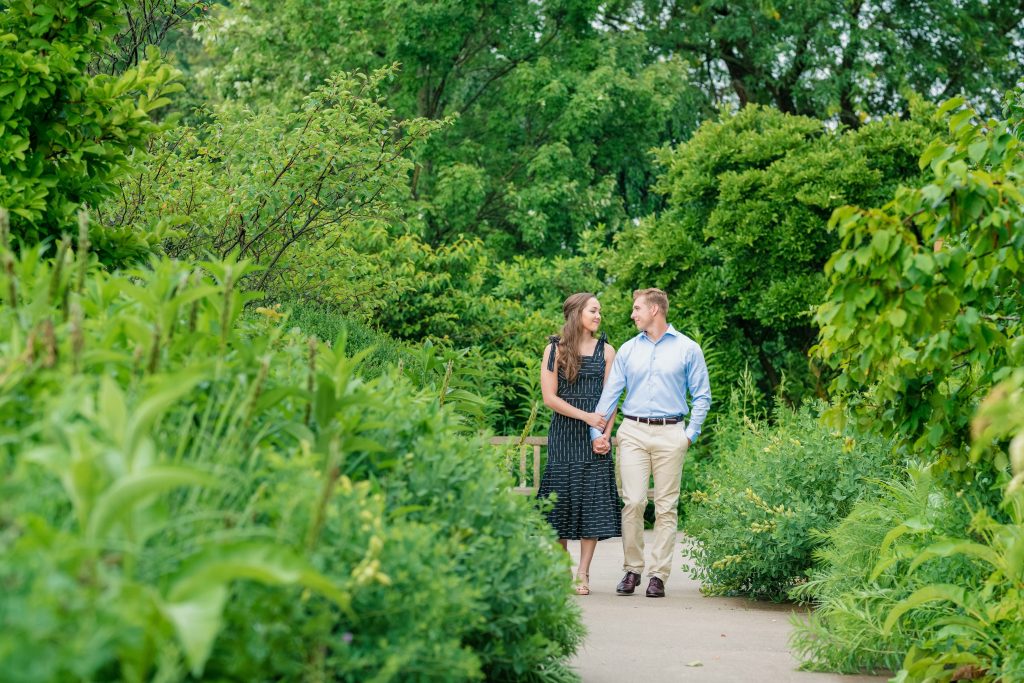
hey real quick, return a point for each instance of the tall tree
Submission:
(838, 58)
(741, 245)
(555, 115)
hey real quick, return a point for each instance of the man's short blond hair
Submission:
(653, 297)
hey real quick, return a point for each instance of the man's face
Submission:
(643, 313)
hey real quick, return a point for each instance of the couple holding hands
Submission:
(582, 378)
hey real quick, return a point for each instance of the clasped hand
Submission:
(601, 445)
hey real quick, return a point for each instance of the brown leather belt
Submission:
(656, 420)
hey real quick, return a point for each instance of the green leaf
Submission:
(880, 242)
(156, 404)
(959, 120)
(197, 620)
(116, 503)
(950, 548)
(324, 401)
(268, 563)
(951, 104)
(897, 317)
(910, 526)
(931, 593)
(936, 151)
(976, 150)
(274, 396)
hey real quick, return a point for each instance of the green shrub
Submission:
(305, 192)
(459, 378)
(765, 491)
(743, 235)
(977, 631)
(846, 631)
(922, 312)
(190, 491)
(327, 324)
(900, 585)
(67, 134)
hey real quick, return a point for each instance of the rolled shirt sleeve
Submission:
(699, 386)
(613, 389)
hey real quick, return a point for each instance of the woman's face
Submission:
(590, 318)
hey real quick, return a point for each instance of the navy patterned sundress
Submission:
(587, 503)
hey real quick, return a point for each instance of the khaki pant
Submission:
(645, 450)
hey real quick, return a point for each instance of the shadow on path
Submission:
(684, 636)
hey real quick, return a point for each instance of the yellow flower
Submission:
(270, 313)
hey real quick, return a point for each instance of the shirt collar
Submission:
(670, 331)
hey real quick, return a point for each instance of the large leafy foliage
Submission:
(190, 490)
(922, 319)
(287, 189)
(915, 580)
(555, 117)
(837, 59)
(67, 136)
(922, 314)
(741, 245)
(860, 575)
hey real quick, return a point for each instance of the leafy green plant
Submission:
(328, 324)
(922, 314)
(898, 584)
(766, 490)
(295, 191)
(554, 115)
(977, 631)
(853, 592)
(190, 491)
(68, 135)
(744, 235)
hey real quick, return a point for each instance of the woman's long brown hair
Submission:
(568, 351)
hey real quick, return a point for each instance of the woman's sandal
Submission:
(583, 584)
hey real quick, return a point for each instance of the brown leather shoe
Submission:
(656, 588)
(628, 584)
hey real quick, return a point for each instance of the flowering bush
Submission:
(767, 490)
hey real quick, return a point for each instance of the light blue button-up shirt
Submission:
(657, 376)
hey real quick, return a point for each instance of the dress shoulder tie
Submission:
(554, 348)
(601, 341)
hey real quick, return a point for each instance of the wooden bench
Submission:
(536, 443)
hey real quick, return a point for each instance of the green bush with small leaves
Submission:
(743, 236)
(66, 134)
(765, 490)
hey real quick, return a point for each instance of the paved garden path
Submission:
(684, 636)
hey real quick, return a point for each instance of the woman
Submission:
(572, 374)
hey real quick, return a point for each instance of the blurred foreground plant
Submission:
(190, 491)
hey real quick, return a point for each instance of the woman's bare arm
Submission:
(549, 389)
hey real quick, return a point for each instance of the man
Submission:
(657, 368)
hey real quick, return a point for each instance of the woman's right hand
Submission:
(595, 420)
